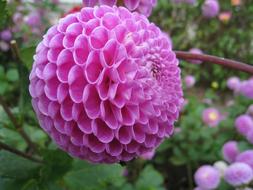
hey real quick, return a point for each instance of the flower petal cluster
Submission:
(106, 85)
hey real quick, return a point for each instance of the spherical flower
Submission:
(207, 177)
(233, 83)
(246, 157)
(211, 117)
(246, 88)
(105, 84)
(221, 166)
(6, 35)
(230, 151)
(250, 136)
(195, 51)
(250, 110)
(189, 81)
(238, 174)
(244, 124)
(225, 16)
(142, 6)
(210, 8)
(148, 155)
(33, 19)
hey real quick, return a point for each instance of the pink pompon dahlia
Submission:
(238, 174)
(142, 6)
(233, 83)
(246, 157)
(189, 81)
(207, 177)
(246, 88)
(211, 117)
(106, 85)
(230, 151)
(210, 8)
(244, 124)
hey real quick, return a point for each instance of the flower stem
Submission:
(216, 60)
(17, 125)
(19, 153)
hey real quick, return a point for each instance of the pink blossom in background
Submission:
(6, 35)
(148, 155)
(142, 6)
(246, 88)
(233, 83)
(33, 19)
(244, 124)
(250, 110)
(246, 157)
(225, 16)
(230, 151)
(99, 91)
(238, 174)
(211, 117)
(195, 51)
(207, 177)
(189, 81)
(210, 8)
(250, 136)
(236, 2)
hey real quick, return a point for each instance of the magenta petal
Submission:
(92, 104)
(131, 4)
(77, 83)
(114, 148)
(102, 131)
(81, 50)
(124, 134)
(107, 2)
(93, 68)
(98, 37)
(95, 145)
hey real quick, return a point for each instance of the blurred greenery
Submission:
(178, 157)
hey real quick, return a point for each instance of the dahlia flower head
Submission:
(189, 81)
(6, 35)
(246, 88)
(142, 6)
(244, 124)
(230, 151)
(233, 83)
(207, 177)
(246, 157)
(210, 8)
(106, 85)
(211, 116)
(238, 174)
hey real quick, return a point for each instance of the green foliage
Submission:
(3, 13)
(92, 177)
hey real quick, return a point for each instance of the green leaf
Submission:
(149, 179)
(13, 166)
(85, 176)
(12, 75)
(27, 56)
(3, 12)
(57, 163)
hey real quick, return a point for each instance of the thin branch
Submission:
(216, 60)
(16, 124)
(19, 153)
